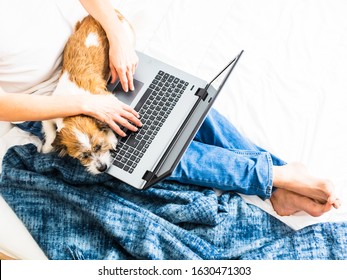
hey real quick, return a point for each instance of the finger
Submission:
(123, 80)
(130, 110)
(116, 128)
(125, 123)
(130, 117)
(130, 80)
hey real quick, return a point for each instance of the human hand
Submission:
(108, 109)
(123, 60)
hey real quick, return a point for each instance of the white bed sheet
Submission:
(287, 93)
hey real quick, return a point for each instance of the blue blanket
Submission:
(74, 215)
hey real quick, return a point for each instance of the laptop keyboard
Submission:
(154, 107)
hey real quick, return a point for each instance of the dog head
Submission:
(88, 140)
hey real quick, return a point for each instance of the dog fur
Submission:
(85, 71)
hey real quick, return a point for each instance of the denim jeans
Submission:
(219, 157)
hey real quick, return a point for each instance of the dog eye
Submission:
(97, 148)
(85, 156)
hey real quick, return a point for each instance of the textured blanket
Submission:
(74, 215)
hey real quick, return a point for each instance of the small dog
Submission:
(85, 71)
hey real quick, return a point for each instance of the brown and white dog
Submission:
(85, 71)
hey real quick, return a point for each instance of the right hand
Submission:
(123, 63)
(108, 109)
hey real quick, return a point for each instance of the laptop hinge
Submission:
(202, 93)
(149, 175)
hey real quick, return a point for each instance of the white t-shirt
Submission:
(33, 34)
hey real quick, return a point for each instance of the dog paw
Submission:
(47, 148)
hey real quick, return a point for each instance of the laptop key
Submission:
(141, 145)
(132, 142)
(118, 164)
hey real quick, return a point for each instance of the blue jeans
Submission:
(219, 157)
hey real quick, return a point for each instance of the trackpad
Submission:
(126, 97)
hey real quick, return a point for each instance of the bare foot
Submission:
(287, 203)
(294, 177)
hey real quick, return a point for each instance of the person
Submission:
(24, 107)
(227, 160)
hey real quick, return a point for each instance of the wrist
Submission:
(111, 25)
(84, 105)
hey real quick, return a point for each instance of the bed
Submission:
(287, 93)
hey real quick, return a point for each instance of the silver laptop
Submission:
(172, 105)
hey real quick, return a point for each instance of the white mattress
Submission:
(287, 91)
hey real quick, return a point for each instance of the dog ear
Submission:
(102, 126)
(58, 146)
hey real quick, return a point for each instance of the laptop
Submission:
(172, 105)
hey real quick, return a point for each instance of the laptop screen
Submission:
(230, 65)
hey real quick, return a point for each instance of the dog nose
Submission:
(102, 167)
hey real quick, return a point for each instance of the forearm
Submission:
(123, 58)
(103, 12)
(24, 107)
